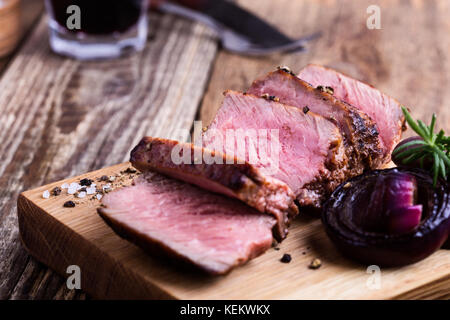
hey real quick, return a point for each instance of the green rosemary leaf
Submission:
(443, 169)
(425, 129)
(408, 144)
(435, 147)
(435, 169)
(408, 152)
(443, 156)
(433, 123)
(440, 137)
(414, 157)
(412, 123)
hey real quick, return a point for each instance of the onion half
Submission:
(346, 213)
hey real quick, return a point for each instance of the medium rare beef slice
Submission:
(303, 150)
(359, 131)
(216, 172)
(210, 231)
(384, 110)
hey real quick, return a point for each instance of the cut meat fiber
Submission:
(384, 110)
(363, 146)
(210, 231)
(217, 172)
(304, 150)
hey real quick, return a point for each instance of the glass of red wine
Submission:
(96, 29)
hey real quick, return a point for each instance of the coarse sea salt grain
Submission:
(46, 194)
(106, 186)
(99, 196)
(90, 190)
(71, 190)
(65, 186)
(81, 194)
(74, 185)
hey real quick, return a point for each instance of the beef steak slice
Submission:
(217, 172)
(359, 131)
(207, 230)
(384, 110)
(304, 150)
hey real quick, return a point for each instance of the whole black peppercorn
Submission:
(86, 182)
(69, 204)
(286, 258)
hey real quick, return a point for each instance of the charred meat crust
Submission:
(362, 140)
(317, 191)
(378, 162)
(241, 180)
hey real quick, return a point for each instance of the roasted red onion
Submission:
(404, 219)
(391, 196)
(389, 217)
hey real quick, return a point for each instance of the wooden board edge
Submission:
(99, 279)
(438, 289)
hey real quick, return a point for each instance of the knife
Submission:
(240, 30)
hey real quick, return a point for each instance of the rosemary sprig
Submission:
(435, 147)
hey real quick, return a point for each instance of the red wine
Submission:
(100, 17)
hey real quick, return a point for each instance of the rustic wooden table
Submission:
(60, 117)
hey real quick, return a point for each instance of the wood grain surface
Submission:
(408, 58)
(61, 117)
(113, 268)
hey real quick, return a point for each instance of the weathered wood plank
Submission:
(61, 117)
(407, 59)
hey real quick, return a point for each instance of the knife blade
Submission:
(238, 24)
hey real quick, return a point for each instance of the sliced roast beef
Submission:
(211, 231)
(216, 172)
(303, 150)
(359, 131)
(384, 110)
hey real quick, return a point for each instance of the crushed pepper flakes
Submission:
(56, 191)
(315, 264)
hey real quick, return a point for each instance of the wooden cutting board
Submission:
(116, 269)
(52, 131)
